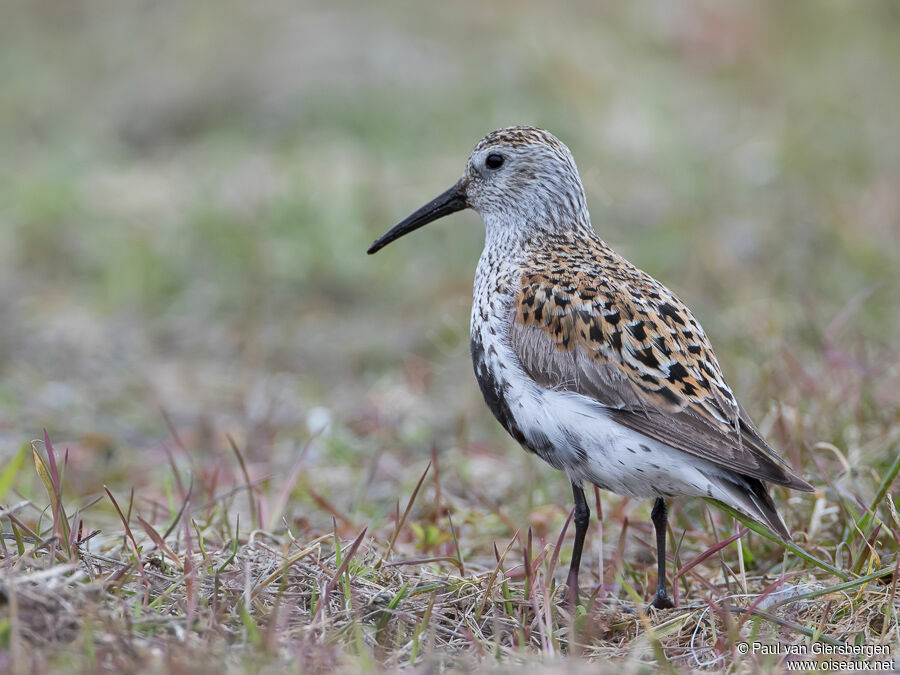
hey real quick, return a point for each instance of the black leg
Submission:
(582, 520)
(659, 515)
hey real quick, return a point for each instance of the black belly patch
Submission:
(494, 393)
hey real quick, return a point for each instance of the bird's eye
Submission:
(494, 161)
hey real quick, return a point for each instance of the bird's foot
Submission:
(662, 600)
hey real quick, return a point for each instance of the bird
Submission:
(587, 361)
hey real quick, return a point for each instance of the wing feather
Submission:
(608, 331)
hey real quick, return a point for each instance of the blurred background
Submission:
(187, 191)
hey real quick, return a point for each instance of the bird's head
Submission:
(522, 181)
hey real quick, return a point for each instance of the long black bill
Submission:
(444, 204)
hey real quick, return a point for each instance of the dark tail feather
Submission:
(750, 496)
(797, 483)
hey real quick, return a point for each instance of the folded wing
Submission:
(619, 337)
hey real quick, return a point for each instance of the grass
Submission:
(188, 592)
(266, 452)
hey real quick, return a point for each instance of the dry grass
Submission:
(194, 589)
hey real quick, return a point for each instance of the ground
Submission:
(268, 450)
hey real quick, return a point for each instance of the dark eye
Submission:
(494, 161)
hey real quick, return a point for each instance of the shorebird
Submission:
(589, 362)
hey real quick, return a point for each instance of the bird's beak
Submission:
(444, 204)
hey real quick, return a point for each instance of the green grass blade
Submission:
(846, 586)
(234, 547)
(763, 531)
(11, 470)
(882, 490)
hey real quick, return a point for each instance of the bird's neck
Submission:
(512, 237)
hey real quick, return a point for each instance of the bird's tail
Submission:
(749, 495)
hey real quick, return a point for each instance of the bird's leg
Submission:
(582, 520)
(659, 515)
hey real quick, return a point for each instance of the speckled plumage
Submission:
(647, 358)
(586, 360)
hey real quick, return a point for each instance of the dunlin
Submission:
(587, 361)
